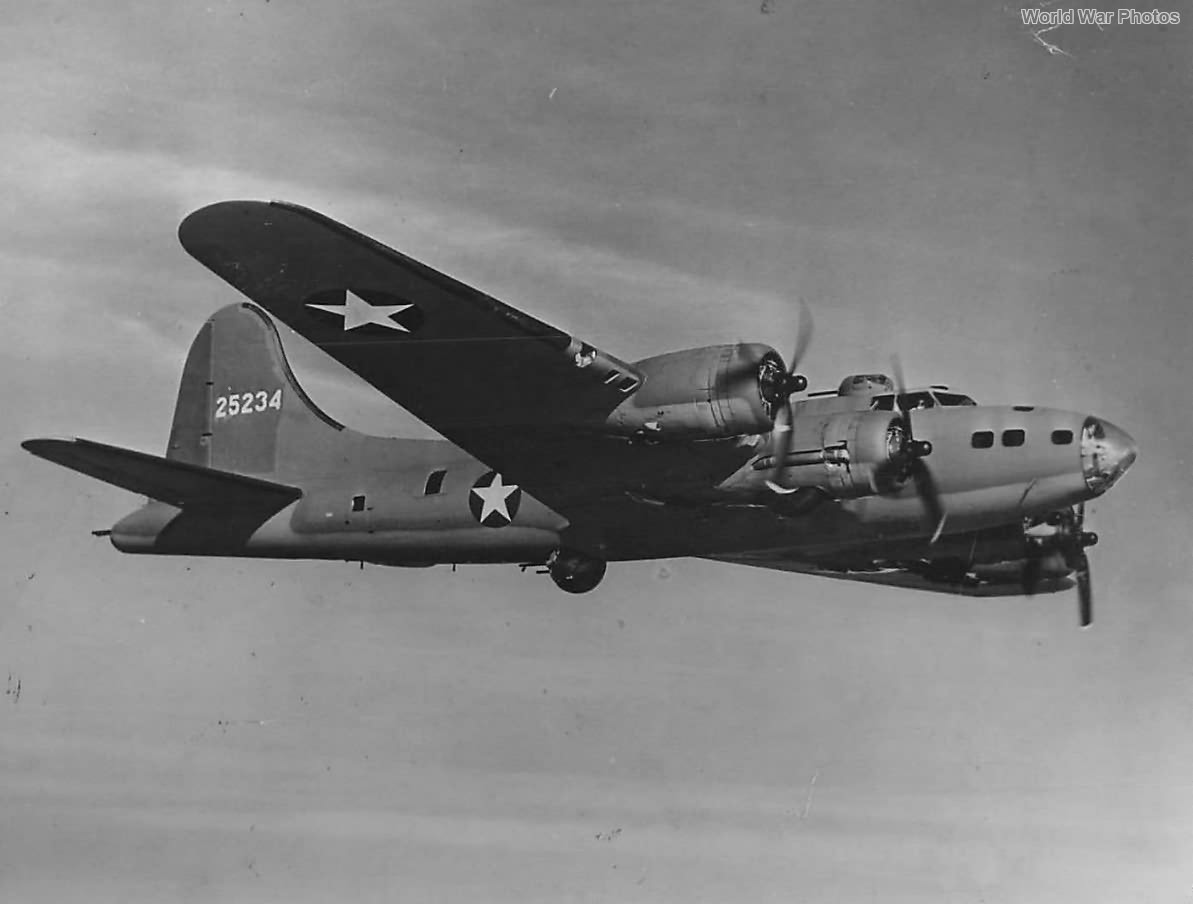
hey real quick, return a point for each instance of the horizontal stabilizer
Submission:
(174, 482)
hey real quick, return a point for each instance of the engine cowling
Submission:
(845, 455)
(698, 393)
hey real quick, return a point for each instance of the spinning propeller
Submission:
(1070, 540)
(908, 460)
(778, 385)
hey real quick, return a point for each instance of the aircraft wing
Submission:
(509, 389)
(891, 577)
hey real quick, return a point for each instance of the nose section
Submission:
(1106, 453)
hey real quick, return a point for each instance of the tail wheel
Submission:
(574, 571)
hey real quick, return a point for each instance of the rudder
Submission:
(239, 406)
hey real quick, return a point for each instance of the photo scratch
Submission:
(808, 799)
(1053, 49)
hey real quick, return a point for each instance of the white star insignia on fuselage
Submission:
(357, 312)
(494, 497)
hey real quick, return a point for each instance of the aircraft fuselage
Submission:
(376, 506)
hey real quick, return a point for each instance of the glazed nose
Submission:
(1106, 453)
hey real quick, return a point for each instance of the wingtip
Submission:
(53, 449)
(40, 444)
(226, 224)
(239, 206)
(290, 205)
(213, 219)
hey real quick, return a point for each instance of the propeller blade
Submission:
(925, 486)
(803, 336)
(915, 451)
(782, 432)
(1032, 572)
(1074, 540)
(1085, 591)
(780, 446)
(780, 489)
(897, 373)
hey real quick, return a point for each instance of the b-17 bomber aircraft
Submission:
(562, 457)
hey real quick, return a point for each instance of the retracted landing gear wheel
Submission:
(574, 571)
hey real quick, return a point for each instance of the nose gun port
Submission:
(1106, 453)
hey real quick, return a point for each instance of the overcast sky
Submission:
(930, 178)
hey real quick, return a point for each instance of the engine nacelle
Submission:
(697, 393)
(846, 455)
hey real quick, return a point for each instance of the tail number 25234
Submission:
(247, 403)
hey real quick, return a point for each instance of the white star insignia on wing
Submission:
(358, 312)
(494, 497)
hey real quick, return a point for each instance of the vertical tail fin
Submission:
(239, 406)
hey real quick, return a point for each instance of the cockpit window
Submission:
(949, 399)
(910, 401)
(913, 401)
